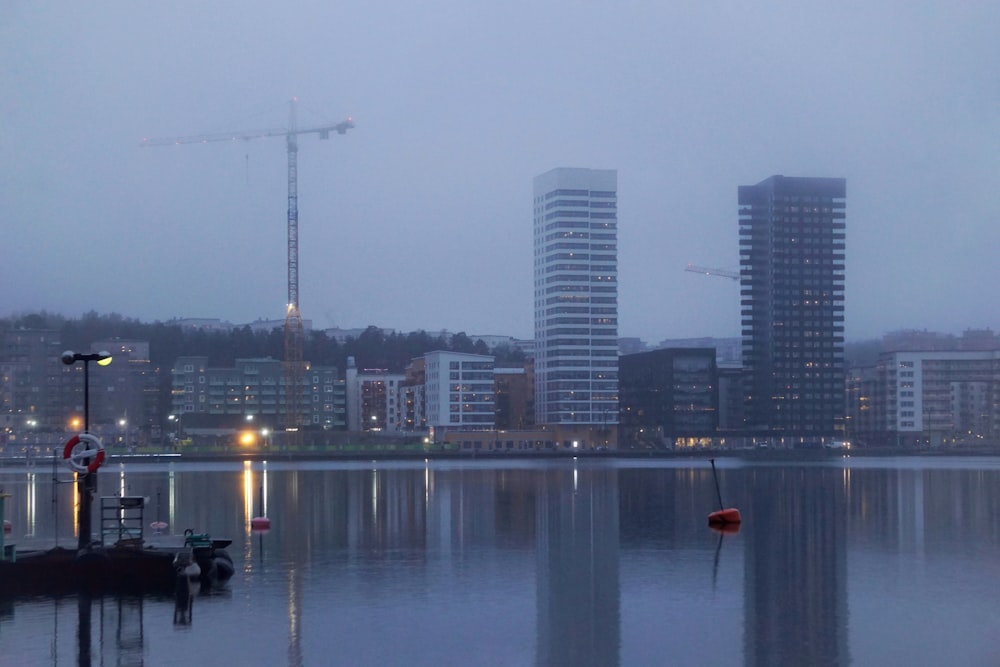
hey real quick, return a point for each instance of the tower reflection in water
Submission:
(577, 576)
(795, 566)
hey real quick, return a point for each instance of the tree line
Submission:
(169, 340)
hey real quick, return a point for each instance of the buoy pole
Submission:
(260, 522)
(718, 491)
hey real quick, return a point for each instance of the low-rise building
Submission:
(222, 397)
(669, 398)
(374, 402)
(938, 398)
(459, 392)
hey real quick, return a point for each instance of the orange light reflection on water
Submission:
(247, 495)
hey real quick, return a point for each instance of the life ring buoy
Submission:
(81, 448)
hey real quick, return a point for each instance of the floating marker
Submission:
(725, 515)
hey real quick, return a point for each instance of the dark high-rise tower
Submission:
(792, 297)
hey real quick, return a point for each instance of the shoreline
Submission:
(446, 455)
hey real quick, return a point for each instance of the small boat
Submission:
(211, 556)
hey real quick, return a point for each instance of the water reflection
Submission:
(577, 573)
(795, 567)
(557, 563)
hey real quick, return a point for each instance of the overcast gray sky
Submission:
(421, 216)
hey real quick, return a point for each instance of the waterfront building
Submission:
(938, 398)
(576, 296)
(373, 400)
(412, 397)
(129, 408)
(216, 397)
(792, 235)
(41, 398)
(459, 392)
(515, 397)
(33, 396)
(860, 418)
(669, 398)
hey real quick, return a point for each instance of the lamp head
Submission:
(68, 357)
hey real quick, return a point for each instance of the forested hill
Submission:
(167, 341)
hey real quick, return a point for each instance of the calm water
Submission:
(847, 561)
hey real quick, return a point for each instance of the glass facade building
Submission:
(576, 296)
(792, 239)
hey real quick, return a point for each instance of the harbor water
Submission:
(842, 560)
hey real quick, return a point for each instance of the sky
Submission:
(420, 217)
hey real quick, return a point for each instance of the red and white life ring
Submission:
(84, 453)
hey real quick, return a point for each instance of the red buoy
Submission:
(260, 523)
(7, 526)
(724, 528)
(724, 515)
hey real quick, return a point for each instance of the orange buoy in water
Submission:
(730, 515)
(724, 528)
(724, 515)
(260, 523)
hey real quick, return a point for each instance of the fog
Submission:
(420, 217)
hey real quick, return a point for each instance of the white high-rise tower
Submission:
(576, 296)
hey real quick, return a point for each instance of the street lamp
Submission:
(103, 359)
(178, 425)
(87, 482)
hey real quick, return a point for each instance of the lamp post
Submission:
(178, 426)
(87, 482)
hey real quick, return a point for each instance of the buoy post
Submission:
(724, 515)
(715, 476)
(260, 522)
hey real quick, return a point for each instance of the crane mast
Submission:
(293, 318)
(294, 367)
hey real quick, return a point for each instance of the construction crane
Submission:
(722, 273)
(294, 339)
